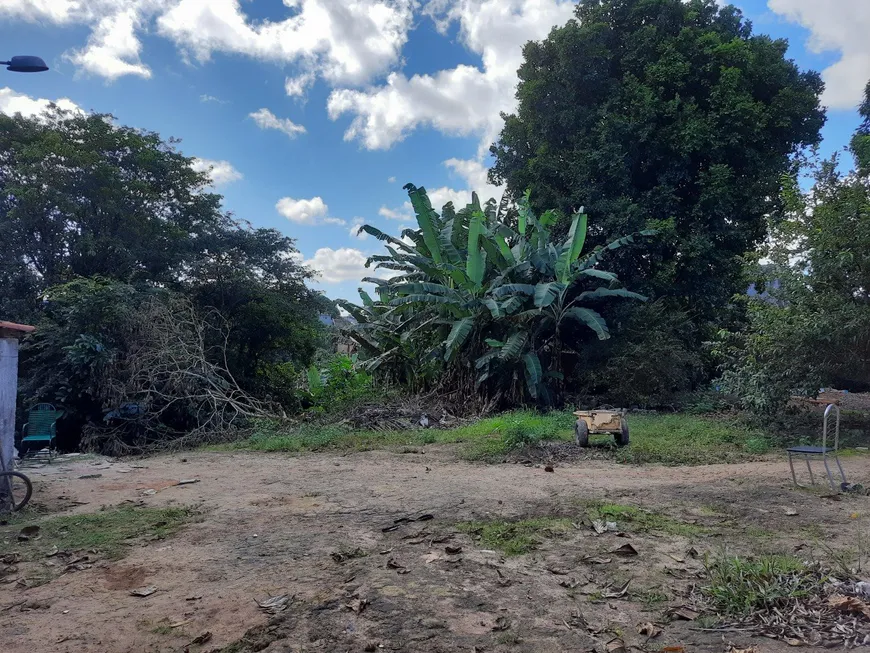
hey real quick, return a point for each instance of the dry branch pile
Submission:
(172, 389)
(838, 615)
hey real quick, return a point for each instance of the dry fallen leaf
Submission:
(648, 629)
(592, 560)
(625, 550)
(144, 591)
(734, 649)
(677, 558)
(684, 613)
(794, 642)
(274, 604)
(672, 649)
(599, 526)
(615, 645)
(849, 604)
(618, 594)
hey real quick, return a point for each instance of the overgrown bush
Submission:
(650, 362)
(134, 368)
(340, 382)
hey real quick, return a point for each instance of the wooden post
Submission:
(9, 335)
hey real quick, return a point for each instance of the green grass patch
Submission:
(485, 438)
(633, 518)
(110, 531)
(739, 586)
(681, 439)
(672, 439)
(516, 537)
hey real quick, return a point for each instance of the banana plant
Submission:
(487, 289)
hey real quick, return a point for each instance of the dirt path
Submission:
(272, 522)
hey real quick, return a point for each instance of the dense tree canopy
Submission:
(121, 213)
(811, 328)
(649, 111)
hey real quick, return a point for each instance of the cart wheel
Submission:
(18, 488)
(581, 433)
(622, 436)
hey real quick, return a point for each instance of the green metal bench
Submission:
(40, 430)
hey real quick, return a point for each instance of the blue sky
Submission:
(316, 112)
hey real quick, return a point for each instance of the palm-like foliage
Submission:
(488, 292)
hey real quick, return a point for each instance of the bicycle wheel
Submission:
(18, 486)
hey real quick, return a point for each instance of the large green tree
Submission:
(82, 197)
(668, 112)
(811, 328)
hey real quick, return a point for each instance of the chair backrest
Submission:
(836, 429)
(41, 418)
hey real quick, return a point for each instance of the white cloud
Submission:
(211, 98)
(403, 212)
(337, 265)
(56, 11)
(12, 102)
(391, 180)
(354, 229)
(345, 42)
(312, 212)
(842, 29)
(265, 119)
(463, 100)
(298, 86)
(113, 49)
(220, 172)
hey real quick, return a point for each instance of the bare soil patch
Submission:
(341, 537)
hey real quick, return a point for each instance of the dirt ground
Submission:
(312, 527)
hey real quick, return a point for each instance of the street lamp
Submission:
(25, 64)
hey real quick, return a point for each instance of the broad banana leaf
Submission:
(421, 299)
(514, 288)
(533, 373)
(315, 383)
(475, 264)
(593, 259)
(445, 239)
(494, 308)
(426, 218)
(598, 293)
(591, 319)
(514, 345)
(547, 293)
(380, 235)
(458, 335)
(572, 246)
